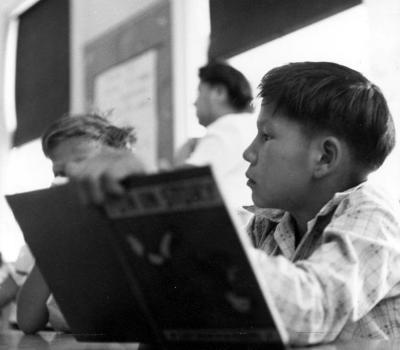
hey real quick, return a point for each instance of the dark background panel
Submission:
(239, 25)
(42, 88)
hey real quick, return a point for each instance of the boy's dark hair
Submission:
(91, 126)
(328, 96)
(236, 84)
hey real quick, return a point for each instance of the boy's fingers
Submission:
(111, 185)
(87, 181)
(73, 171)
(123, 165)
(101, 176)
(90, 190)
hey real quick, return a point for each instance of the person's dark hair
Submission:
(91, 126)
(236, 84)
(332, 97)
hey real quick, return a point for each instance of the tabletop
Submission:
(11, 339)
(15, 340)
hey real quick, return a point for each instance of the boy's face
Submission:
(204, 104)
(280, 160)
(73, 150)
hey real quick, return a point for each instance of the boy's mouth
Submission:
(250, 181)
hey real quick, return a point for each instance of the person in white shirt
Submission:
(223, 106)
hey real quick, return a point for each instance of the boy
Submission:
(223, 107)
(334, 246)
(330, 247)
(70, 139)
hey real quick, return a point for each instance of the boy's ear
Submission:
(329, 156)
(220, 92)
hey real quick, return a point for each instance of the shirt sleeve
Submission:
(22, 266)
(353, 269)
(218, 148)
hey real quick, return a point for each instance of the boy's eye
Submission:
(59, 173)
(265, 137)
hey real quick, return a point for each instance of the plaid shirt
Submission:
(342, 281)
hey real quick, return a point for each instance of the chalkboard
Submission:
(239, 25)
(42, 86)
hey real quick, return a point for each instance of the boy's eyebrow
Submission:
(260, 126)
(265, 125)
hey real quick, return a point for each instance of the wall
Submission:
(4, 139)
(384, 55)
(10, 236)
(190, 34)
(91, 18)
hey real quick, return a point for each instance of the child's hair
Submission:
(236, 84)
(328, 96)
(91, 126)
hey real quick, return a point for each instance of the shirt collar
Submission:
(337, 198)
(276, 215)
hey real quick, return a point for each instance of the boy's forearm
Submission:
(8, 291)
(32, 313)
(303, 302)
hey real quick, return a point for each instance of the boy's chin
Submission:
(264, 203)
(259, 203)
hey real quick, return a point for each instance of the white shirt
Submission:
(23, 265)
(19, 271)
(222, 147)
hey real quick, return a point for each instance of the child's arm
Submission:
(32, 313)
(354, 268)
(8, 290)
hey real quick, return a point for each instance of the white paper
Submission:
(129, 90)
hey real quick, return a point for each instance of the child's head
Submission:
(77, 138)
(324, 96)
(221, 88)
(237, 86)
(321, 126)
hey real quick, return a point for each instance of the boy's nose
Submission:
(249, 155)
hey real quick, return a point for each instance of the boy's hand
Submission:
(100, 176)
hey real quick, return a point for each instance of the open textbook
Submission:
(167, 263)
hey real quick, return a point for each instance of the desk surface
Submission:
(53, 341)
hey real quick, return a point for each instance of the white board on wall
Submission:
(129, 91)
